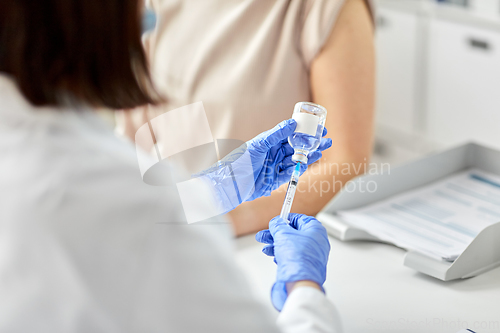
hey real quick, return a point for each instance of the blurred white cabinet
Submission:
(463, 84)
(397, 63)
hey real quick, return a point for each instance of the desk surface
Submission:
(374, 292)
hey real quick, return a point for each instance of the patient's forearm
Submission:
(316, 187)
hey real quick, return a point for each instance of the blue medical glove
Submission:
(258, 167)
(271, 156)
(300, 250)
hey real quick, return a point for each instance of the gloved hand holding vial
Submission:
(265, 163)
(305, 139)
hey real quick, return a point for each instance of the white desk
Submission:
(374, 292)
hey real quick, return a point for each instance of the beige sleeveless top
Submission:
(246, 60)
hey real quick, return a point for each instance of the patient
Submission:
(250, 61)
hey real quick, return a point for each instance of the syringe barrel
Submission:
(290, 193)
(287, 204)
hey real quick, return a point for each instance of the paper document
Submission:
(439, 220)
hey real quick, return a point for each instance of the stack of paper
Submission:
(440, 219)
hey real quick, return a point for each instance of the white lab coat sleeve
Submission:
(309, 310)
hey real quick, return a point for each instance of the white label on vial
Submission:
(306, 123)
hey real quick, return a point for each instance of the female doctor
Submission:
(85, 245)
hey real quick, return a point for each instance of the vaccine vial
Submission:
(310, 120)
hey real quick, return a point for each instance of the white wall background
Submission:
(438, 76)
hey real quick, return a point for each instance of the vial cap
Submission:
(299, 158)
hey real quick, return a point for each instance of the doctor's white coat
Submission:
(86, 246)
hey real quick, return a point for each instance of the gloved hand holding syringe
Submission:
(310, 119)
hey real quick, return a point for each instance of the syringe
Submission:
(290, 192)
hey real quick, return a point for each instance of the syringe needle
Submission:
(290, 193)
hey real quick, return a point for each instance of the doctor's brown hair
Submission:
(88, 49)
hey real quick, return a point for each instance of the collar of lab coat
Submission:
(10, 93)
(16, 111)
